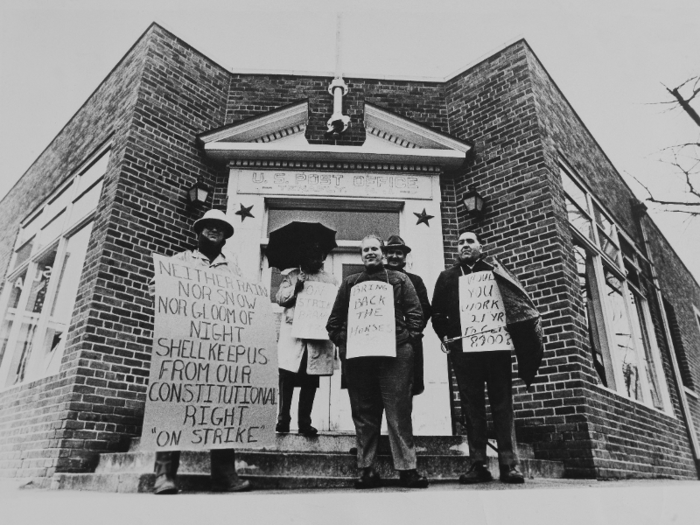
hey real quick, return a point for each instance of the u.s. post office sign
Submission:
(393, 185)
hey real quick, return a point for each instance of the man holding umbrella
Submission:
(299, 249)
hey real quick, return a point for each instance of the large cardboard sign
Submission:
(213, 379)
(371, 322)
(482, 315)
(313, 307)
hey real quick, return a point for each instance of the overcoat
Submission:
(290, 350)
(523, 320)
(418, 368)
(407, 308)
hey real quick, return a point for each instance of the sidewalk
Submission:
(541, 502)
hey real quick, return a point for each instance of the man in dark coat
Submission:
(377, 384)
(520, 330)
(395, 251)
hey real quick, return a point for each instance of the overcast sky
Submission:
(609, 59)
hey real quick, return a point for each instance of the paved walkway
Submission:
(540, 502)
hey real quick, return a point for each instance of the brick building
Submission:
(618, 391)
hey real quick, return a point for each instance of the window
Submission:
(614, 285)
(40, 290)
(586, 278)
(678, 346)
(350, 225)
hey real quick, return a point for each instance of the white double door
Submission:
(331, 412)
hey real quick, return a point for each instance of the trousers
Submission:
(473, 370)
(375, 385)
(307, 393)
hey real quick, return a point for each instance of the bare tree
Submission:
(684, 157)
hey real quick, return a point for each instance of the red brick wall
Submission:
(41, 423)
(253, 95)
(627, 439)
(683, 293)
(180, 94)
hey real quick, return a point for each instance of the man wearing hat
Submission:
(395, 251)
(212, 231)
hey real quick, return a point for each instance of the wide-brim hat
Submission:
(396, 242)
(214, 216)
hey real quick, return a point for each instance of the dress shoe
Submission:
(239, 485)
(511, 475)
(282, 428)
(410, 479)
(478, 473)
(165, 485)
(308, 431)
(368, 480)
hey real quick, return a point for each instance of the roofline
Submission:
(612, 164)
(350, 74)
(143, 35)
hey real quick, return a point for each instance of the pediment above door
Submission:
(280, 136)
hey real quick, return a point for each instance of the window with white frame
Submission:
(42, 283)
(614, 283)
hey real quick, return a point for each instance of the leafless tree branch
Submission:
(684, 102)
(684, 157)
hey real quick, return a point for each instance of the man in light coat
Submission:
(522, 330)
(212, 231)
(296, 357)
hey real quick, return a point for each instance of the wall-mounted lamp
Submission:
(198, 193)
(474, 203)
(638, 208)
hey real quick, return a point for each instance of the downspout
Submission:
(639, 210)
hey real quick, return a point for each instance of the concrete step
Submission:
(341, 476)
(293, 461)
(328, 442)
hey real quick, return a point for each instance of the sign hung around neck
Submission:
(482, 314)
(213, 378)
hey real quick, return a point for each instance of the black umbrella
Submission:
(284, 249)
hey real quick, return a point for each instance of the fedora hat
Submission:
(216, 216)
(396, 242)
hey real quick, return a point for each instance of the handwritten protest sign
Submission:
(313, 307)
(371, 323)
(482, 314)
(213, 379)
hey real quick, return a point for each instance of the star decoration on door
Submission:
(245, 212)
(423, 217)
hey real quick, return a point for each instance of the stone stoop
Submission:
(293, 462)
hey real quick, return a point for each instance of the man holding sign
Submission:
(304, 351)
(481, 313)
(375, 320)
(212, 231)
